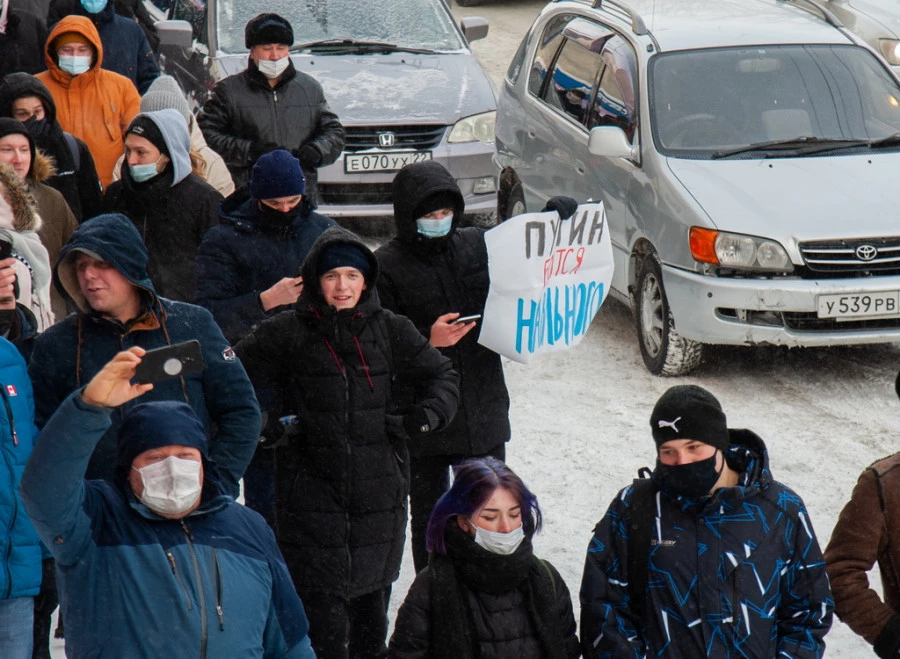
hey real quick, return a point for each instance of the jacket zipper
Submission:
(178, 578)
(218, 581)
(200, 595)
(9, 415)
(12, 479)
(349, 465)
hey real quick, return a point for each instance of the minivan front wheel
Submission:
(663, 350)
(514, 203)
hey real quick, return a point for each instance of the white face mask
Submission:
(75, 64)
(273, 68)
(171, 486)
(499, 543)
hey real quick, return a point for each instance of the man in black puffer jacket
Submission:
(432, 272)
(271, 105)
(341, 479)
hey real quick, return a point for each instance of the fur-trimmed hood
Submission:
(43, 167)
(18, 211)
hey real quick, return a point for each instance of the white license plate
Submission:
(382, 162)
(883, 304)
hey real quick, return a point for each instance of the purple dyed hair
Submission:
(474, 481)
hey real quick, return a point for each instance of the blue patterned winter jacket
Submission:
(736, 574)
(135, 585)
(20, 549)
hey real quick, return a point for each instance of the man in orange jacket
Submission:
(93, 104)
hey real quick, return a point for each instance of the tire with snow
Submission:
(663, 350)
(514, 203)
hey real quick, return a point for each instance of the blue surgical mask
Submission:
(75, 64)
(93, 6)
(432, 228)
(141, 173)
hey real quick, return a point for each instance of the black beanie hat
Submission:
(12, 127)
(145, 127)
(268, 28)
(160, 423)
(435, 202)
(342, 255)
(689, 412)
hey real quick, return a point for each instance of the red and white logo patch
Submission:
(11, 390)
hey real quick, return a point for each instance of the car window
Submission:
(194, 12)
(773, 93)
(515, 66)
(551, 39)
(409, 23)
(614, 102)
(572, 79)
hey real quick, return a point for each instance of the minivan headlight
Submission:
(477, 128)
(890, 50)
(735, 250)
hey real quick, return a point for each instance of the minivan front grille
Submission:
(418, 138)
(868, 257)
(354, 194)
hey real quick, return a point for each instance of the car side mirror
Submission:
(174, 33)
(474, 28)
(611, 142)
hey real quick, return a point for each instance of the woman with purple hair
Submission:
(484, 593)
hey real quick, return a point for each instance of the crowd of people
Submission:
(335, 390)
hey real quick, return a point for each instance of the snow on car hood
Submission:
(396, 88)
(794, 199)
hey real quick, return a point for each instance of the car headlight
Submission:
(890, 50)
(477, 128)
(735, 250)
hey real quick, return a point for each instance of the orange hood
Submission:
(79, 25)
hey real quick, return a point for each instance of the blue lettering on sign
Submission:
(559, 315)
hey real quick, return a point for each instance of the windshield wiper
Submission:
(890, 140)
(801, 145)
(353, 45)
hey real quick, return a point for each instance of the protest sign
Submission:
(548, 279)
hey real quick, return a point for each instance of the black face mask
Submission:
(693, 480)
(277, 217)
(7, 321)
(37, 127)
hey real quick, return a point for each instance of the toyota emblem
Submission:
(866, 252)
(386, 140)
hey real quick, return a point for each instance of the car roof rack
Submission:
(637, 23)
(811, 5)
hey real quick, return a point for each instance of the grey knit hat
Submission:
(164, 94)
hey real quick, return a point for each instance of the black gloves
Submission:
(278, 431)
(258, 149)
(308, 155)
(565, 206)
(416, 422)
(887, 643)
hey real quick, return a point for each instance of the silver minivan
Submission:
(398, 73)
(746, 152)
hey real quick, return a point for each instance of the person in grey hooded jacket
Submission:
(170, 205)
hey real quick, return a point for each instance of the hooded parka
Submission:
(341, 481)
(423, 278)
(126, 50)
(70, 353)
(244, 110)
(245, 255)
(134, 584)
(738, 573)
(172, 211)
(73, 173)
(95, 106)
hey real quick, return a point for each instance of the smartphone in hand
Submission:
(169, 362)
(466, 319)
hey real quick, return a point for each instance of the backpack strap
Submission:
(73, 148)
(643, 498)
(549, 574)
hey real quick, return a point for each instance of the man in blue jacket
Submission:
(20, 549)
(160, 563)
(714, 559)
(102, 269)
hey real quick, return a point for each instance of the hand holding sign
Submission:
(549, 277)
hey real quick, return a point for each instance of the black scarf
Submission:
(469, 567)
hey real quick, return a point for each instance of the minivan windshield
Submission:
(333, 26)
(777, 100)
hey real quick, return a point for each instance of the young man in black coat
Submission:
(434, 271)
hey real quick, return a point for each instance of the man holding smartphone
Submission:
(435, 272)
(102, 270)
